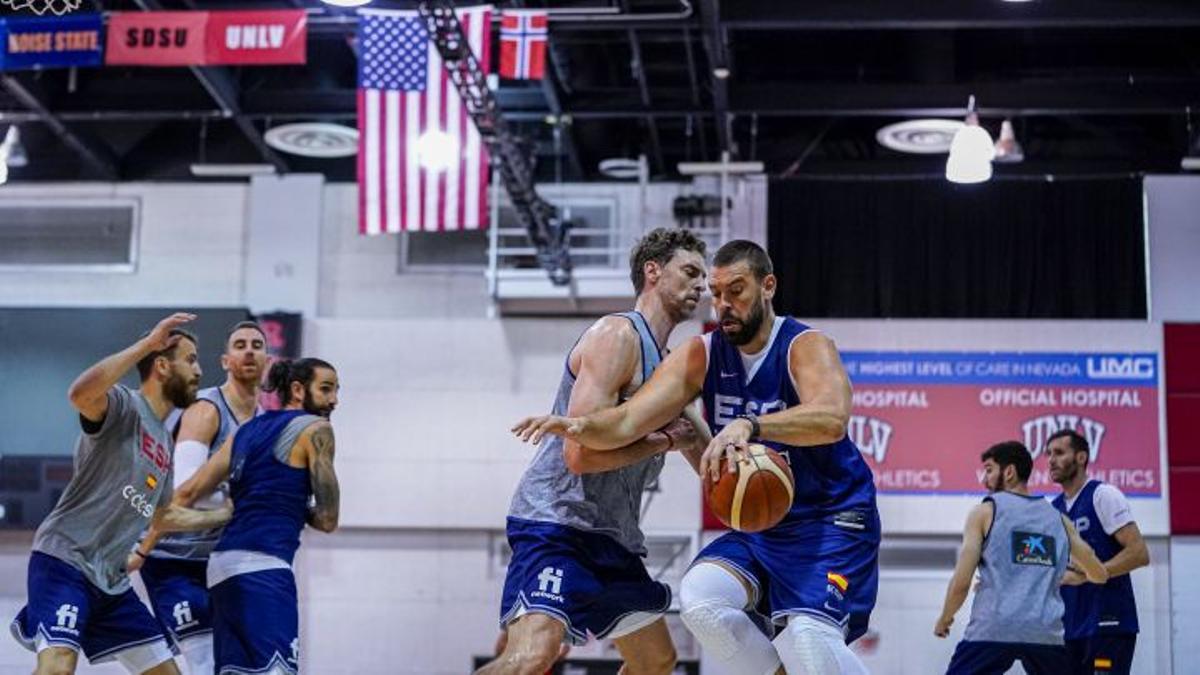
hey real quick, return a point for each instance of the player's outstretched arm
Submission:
(1083, 557)
(675, 383)
(320, 450)
(978, 522)
(207, 478)
(89, 392)
(197, 428)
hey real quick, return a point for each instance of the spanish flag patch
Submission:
(1102, 664)
(151, 481)
(838, 580)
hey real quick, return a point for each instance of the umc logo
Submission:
(870, 435)
(183, 615)
(1120, 368)
(66, 617)
(549, 584)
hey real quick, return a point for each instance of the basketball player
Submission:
(173, 569)
(773, 380)
(1100, 620)
(275, 464)
(573, 525)
(79, 594)
(1021, 546)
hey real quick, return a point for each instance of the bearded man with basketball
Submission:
(776, 381)
(573, 525)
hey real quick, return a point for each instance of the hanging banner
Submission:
(60, 42)
(256, 37)
(921, 419)
(156, 38)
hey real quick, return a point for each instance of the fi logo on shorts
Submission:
(1031, 548)
(549, 584)
(65, 618)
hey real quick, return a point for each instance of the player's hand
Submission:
(1073, 577)
(532, 429)
(731, 444)
(683, 434)
(942, 627)
(160, 337)
(133, 563)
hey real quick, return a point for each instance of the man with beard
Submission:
(173, 567)
(79, 594)
(276, 465)
(1022, 547)
(776, 381)
(574, 520)
(1101, 619)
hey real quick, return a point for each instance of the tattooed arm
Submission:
(324, 514)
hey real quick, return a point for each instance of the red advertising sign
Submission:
(921, 420)
(156, 38)
(256, 37)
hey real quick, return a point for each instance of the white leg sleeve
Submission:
(714, 609)
(198, 652)
(810, 646)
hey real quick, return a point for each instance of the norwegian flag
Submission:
(523, 45)
(405, 99)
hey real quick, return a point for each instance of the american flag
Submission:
(403, 94)
(523, 45)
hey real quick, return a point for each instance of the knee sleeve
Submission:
(713, 608)
(810, 646)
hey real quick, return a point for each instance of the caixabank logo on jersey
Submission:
(1032, 548)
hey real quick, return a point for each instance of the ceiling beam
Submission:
(718, 62)
(956, 14)
(94, 153)
(218, 82)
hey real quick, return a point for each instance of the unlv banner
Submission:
(156, 38)
(260, 37)
(921, 419)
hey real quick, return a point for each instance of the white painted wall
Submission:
(1173, 224)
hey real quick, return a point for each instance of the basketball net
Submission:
(57, 7)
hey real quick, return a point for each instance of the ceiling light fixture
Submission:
(971, 152)
(346, 3)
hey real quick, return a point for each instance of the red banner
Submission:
(256, 37)
(156, 38)
(921, 420)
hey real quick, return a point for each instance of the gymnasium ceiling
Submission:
(1092, 87)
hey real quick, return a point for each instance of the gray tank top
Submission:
(608, 503)
(198, 545)
(1024, 558)
(122, 474)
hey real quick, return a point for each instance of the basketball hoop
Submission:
(39, 7)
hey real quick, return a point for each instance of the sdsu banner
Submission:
(921, 419)
(61, 42)
(256, 37)
(207, 38)
(156, 38)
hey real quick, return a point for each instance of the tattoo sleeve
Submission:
(324, 515)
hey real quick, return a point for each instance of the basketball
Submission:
(757, 495)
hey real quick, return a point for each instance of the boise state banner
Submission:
(58, 42)
(921, 419)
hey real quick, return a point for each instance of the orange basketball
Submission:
(757, 495)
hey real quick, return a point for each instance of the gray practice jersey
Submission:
(122, 474)
(197, 545)
(1025, 556)
(608, 502)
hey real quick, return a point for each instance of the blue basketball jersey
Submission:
(270, 498)
(830, 479)
(1093, 609)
